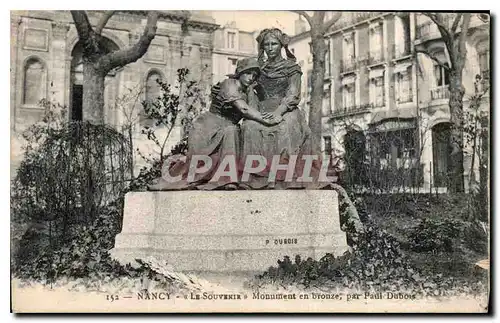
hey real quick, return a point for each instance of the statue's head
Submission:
(247, 70)
(271, 41)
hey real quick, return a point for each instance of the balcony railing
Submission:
(356, 17)
(440, 93)
(353, 109)
(348, 65)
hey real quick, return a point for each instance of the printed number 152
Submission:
(112, 298)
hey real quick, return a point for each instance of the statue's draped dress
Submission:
(279, 84)
(214, 133)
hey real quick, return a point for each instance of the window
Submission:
(152, 92)
(442, 81)
(327, 60)
(349, 51)
(407, 148)
(152, 87)
(231, 65)
(442, 77)
(403, 87)
(376, 43)
(402, 39)
(231, 40)
(349, 96)
(377, 92)
(34, 87)
(441, 151)
(351, 46)
(484, 64)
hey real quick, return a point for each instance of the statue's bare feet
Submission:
(231, 187)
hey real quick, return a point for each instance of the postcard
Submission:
(250, 161)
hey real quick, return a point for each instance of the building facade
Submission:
(230, 45)
(46, 63)
(386, 104)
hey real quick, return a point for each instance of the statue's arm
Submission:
(251, 113)
(292, 98)
(232, 97)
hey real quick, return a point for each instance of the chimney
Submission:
(300, 26)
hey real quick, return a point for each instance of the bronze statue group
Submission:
(254, 135)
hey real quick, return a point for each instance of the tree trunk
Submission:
(456, 171)
(484, 166)
(131, 147)
(93, 94)
(318, 76)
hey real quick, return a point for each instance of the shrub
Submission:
(84, 255)
(182, 101)
(476, 236)
(435, 234)
(86, 258)
(376, 263)
(148, 174)
(70, 175)
(376, 259)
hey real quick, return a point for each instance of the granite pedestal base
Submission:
(229, 231)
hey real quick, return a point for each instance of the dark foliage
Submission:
(376, 259)
(436, 234)
(377, 263)
(69, 176)
(417, 243)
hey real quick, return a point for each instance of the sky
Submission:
(257, 20)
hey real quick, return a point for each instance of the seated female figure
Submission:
(215, 133)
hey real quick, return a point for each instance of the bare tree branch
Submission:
(328, 24)
(129, 55)
(82, 24)
(446, 36)
(434, 58)
(304, 14)
(103, 21)
(437, 19)
(455, 23)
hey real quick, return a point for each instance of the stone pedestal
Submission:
(229, 231)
